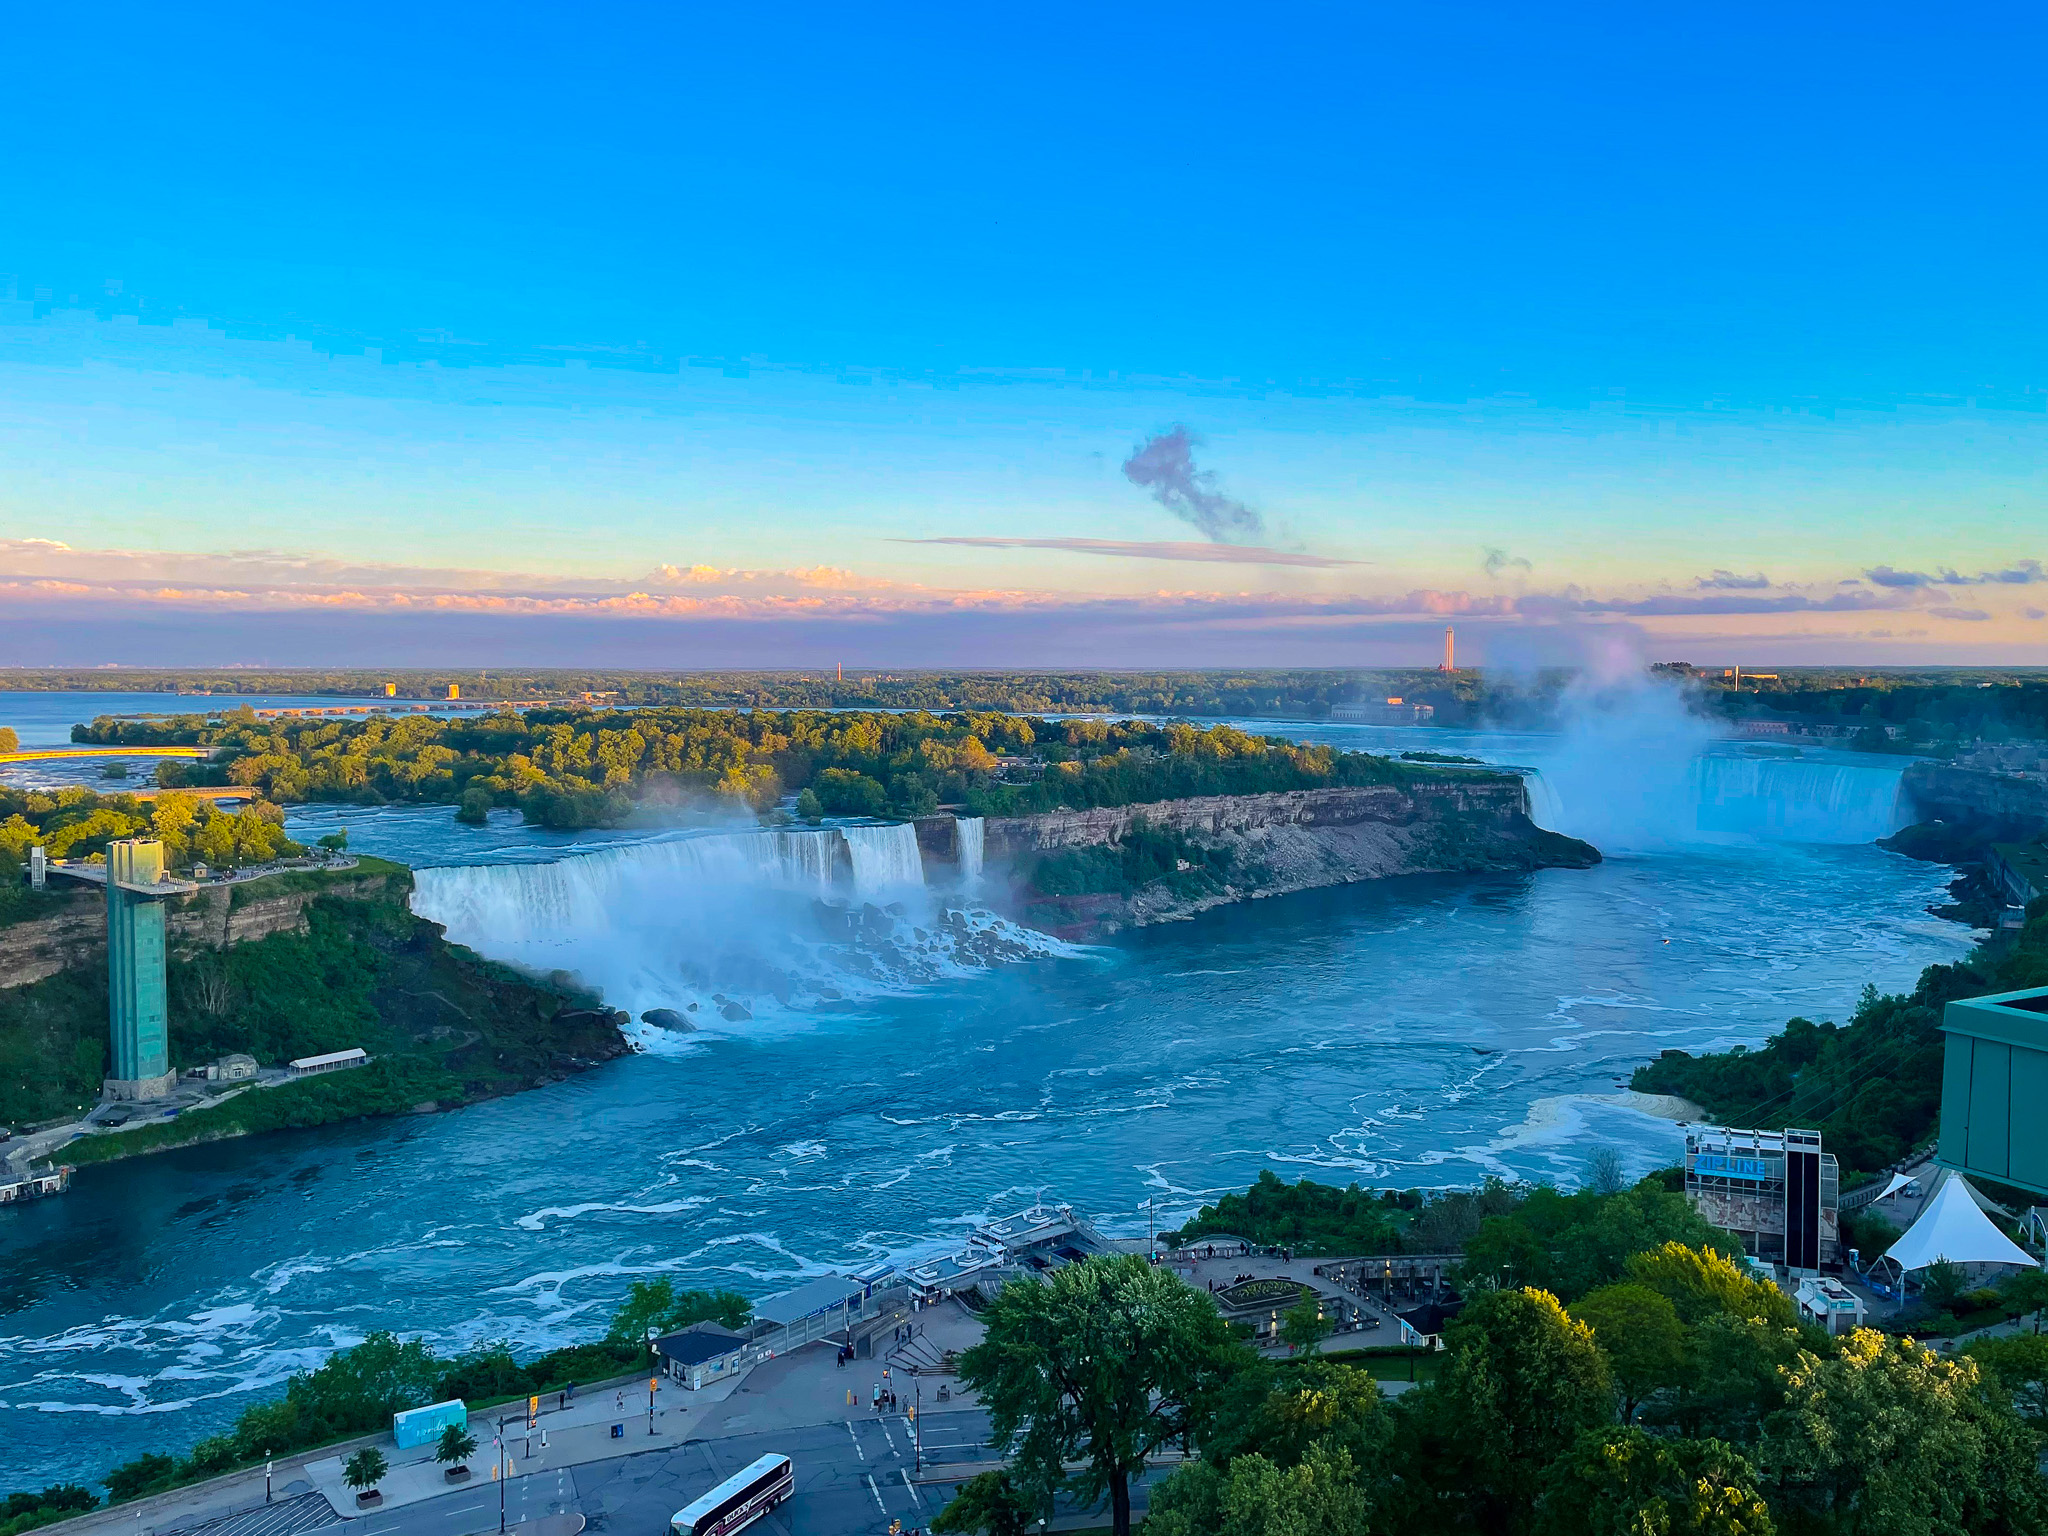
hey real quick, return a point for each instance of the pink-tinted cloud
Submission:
(1209, 554)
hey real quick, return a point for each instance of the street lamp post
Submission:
(653, 1375)
(917, 1428)
(504, 1472)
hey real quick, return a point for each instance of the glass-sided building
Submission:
(1776, 1190)
(1994, 1088)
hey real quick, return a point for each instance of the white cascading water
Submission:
(1634, 769)
(726, 928)
(885, 858)
(968, 832)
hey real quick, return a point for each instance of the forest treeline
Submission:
(577, 767)
(1309, 692)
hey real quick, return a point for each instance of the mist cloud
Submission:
(1165, 466)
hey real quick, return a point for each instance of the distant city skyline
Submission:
(676, 339)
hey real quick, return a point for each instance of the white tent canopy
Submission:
(1953, 1227)
(1899, 1181)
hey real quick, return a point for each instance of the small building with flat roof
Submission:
(332, 1061)
(700, 1354)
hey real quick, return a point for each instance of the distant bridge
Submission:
(45, 754)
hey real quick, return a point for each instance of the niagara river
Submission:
(879, 1063)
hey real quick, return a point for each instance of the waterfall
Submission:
(885, 858)
(967, 831)
(1787, 800)
(726, 928)
(1638, 799)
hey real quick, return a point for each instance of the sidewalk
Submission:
(569, 1436)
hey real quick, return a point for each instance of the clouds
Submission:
(1207, 554)
(1165, 466)
(2020, 573)
(1498, 560)
(49, 590)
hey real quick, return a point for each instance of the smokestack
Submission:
(1450, 650)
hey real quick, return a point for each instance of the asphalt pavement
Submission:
(852, 1478)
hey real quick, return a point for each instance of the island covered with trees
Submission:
(580, 767)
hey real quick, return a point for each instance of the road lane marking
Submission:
(876, 1492)
(906, 1483)
(863, 1455)
(883, 1425)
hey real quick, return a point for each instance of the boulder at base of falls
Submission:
(737, 1013)
(666, 1018)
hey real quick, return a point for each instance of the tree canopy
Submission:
(1102, 1362)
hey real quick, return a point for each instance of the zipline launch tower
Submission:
(136, 991)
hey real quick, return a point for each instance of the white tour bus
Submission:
(740, 1500)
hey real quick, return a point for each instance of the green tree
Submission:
(474, 807)
(987, 1504)
(456, 1445)
(145, 1474)
(657, 1304)
(1942, 1285)
(365, 1469)
(1321, 1495)
(9, 740)
(1624, 1482)
(1303, 1325)
(846, 792)
(1104, 1362)
(2019, 1363)
(809, 809)
(1524, 1380)
(1884, 1437)
(1702, 1283)
(1640, 1333)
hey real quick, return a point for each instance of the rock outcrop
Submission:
(74, 933)
(1289, 841)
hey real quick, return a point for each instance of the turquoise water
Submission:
(1429, 1030)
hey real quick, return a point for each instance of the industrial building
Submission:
(1776, 1190)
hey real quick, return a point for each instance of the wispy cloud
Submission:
(1165, 466)
(2020, 573)
(1208, 554)
(1731, 581)
(1498, 560)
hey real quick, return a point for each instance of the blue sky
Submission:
(666, 334)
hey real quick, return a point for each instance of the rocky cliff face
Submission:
(1291, 841)
(74, 933)
(1990, 807)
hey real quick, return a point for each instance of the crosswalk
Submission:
(286, 1517)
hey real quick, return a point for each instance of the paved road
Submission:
(851, 1477)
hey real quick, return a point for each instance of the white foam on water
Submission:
(748, 926)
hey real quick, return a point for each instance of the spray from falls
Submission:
(1634, 769)
(728, 928)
